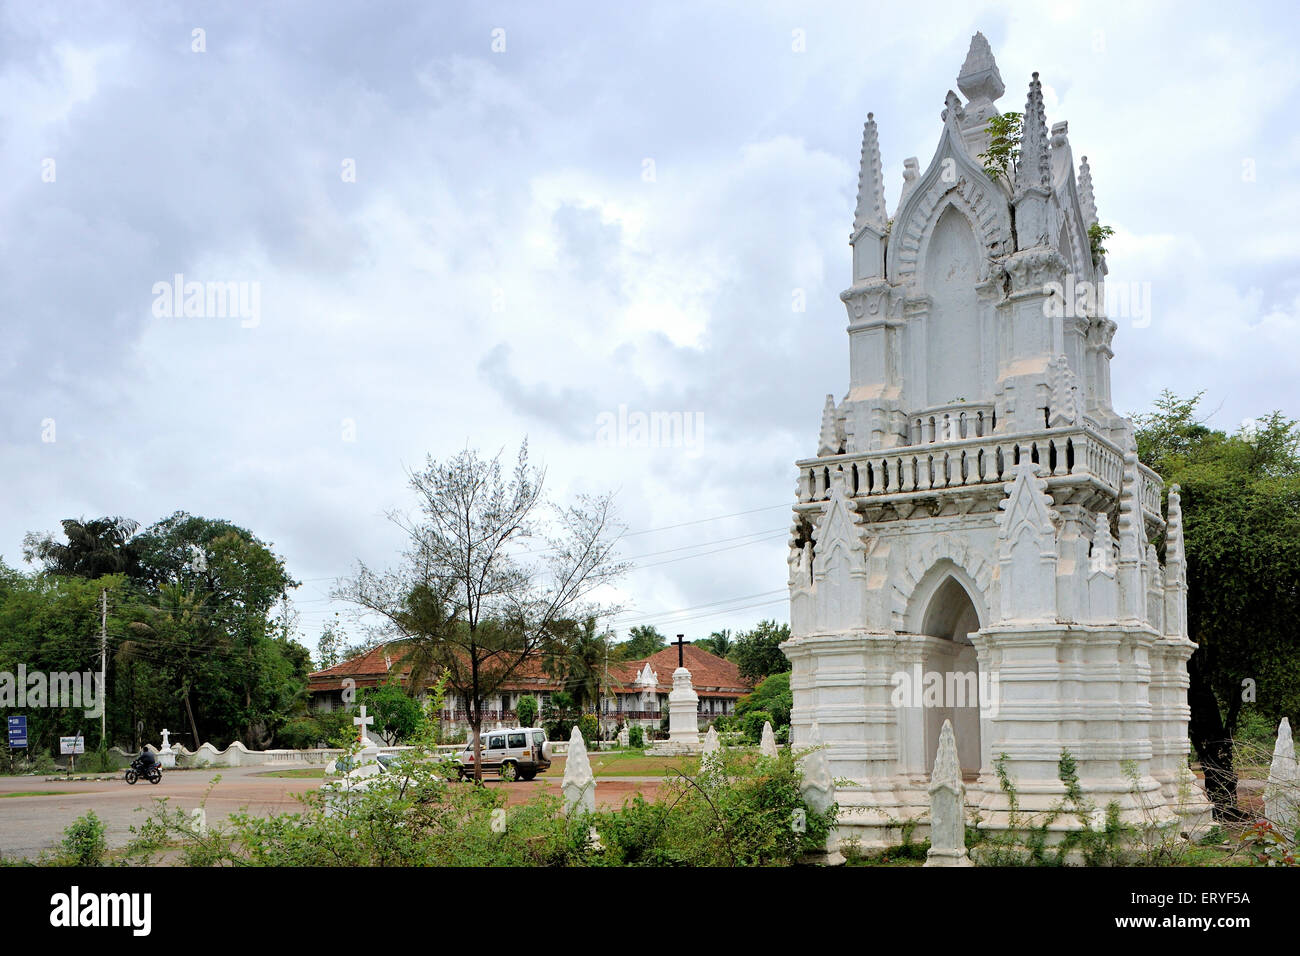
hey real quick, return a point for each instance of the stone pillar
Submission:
(683, 710)
(768, 745)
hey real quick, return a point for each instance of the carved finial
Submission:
(1103, 545)
(952, 108)
(1035, 167)
(830, 441)
(1175, 557)
(871, 181)
(911, 170)
(1065, 391)
(979, 78)
(1132, 528)
(1086, 200)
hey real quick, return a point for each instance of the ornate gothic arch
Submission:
(925, 572)
(961, 183)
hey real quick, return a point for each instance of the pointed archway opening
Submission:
(952, 670)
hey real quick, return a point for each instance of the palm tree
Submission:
(579, 658)
(98, 547)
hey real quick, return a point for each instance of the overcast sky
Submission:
(561, 209)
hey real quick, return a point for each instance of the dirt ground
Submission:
(34, 810)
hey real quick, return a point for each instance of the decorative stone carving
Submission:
(579, 784)
(947, 805)
(1027, 548)
(871, 182)
(1087, 202)
(1065, 394)
(767, 746)
(831, 440)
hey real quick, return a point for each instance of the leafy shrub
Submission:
(750, 812)
(752, 725)
(83, 842)
(526, 710)
(636, 737)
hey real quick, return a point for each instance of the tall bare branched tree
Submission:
(492, 576)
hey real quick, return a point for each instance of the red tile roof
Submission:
(710, 674)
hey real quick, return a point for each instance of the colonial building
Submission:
(975, 539)
(634, 692)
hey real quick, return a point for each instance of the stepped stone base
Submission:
(673, 748)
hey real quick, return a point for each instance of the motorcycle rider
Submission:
(146, 760)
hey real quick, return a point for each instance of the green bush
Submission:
(589, 724)
(750, 812)
(83, 843)
(752, 725)
(636, 737)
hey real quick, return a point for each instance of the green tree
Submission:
(773, 696)
(758, 652)
(526, 710)
(1241, 523)
(642, 641)
(719, 643)
(397, 714)
(93, 548)
(466, 601)
(579, 658)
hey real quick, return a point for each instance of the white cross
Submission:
(362, 722)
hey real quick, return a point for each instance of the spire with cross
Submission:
(680, 643)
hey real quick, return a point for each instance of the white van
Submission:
(519, 753)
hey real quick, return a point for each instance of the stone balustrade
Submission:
(964, 463)
(951, 422)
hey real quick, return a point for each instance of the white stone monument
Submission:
(711, 752)
(767, 746)
(947, 806)
(683, 706)
(683, 712)
(579, 785)
(166, 755)
(1282, 792)
(955, 521)
(625, 736)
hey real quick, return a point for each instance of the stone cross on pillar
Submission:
(362, 723)
(166, 735)
(680, 643)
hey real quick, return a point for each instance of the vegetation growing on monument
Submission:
(1241, 525)
(1097, 236)
(1003, 153)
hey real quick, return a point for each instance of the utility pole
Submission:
(103, 664)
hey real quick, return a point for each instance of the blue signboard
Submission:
(18, 731)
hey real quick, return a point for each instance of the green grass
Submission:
(633, 763)
(300, 773)
(42, 793)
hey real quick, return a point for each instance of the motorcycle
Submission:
(152, 773)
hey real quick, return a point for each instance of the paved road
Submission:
(35, 821)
